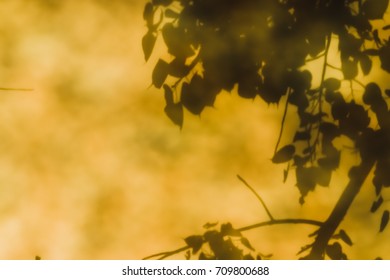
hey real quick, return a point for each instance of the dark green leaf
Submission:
(160, 73)
(374, 9)
(148, 42)
(195, 242)
(376, 204)
(384, 220)
(284, 154)
(175, 113)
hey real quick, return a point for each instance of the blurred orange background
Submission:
(91, 168)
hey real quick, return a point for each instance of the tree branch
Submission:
(328, 228)
(164, 255)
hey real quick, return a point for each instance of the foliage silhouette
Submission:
(260, 48)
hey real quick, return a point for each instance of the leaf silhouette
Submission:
(335, 252)
(384, 220)
(284, 154)
(365, 64)
(332, 84)
(374, 9)
(160, 73)
(194, 242)
(169, 13)
(148, 42)
(148, 12)
(175, 113)
(246, 243)
(344, 236)
(376, 204)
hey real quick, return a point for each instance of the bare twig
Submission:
(257, 196)
(16, 89)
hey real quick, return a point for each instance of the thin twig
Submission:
(16, 89)
(257, 196)
(167, 254)
(283, 121)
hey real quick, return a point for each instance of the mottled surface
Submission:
(91, 168)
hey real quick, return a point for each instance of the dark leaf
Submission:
(169, 13)
(372, 94)
(387, 91)
(209, 225)
(335, 252)
(285, 175)
(372, 52)
(148, 42)
(384, 220)
(168, 94)
(160, 73)
(188, 255)
(322, 175)
(344, 236)
(178, 68)
(162, 2)
(284, 154)
(194, 242)
(387, 27)
(246, 243)
(227, 229)
(332, 84)
(148, 12)
(384, 56)
(304, 248)
(365, 64)
(374, 9)
(306, 180)
(349, 68)
(175, 113)
(376, 204)
(301, 136)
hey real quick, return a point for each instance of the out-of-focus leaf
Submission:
(349, 68)
(160, 73)
(387, 27)
(195, 242)
(162, 2)
(148, 42)
(323, 176)
(372, 52)
(246, 243)
(209, 225)
(284, 154)
(301, 136)
(387, 91)
(168, 94)
(365, 64)
(174, 111)
(227, 229)
(148, 12)
(384, 220)
(374, 9)
(169, 13)
(376, 204)
(332, 84)
(372, 94)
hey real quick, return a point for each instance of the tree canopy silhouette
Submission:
(261, 48)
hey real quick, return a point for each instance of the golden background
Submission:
(91, 168)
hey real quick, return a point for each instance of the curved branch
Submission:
(257, 195)
(164, 255)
